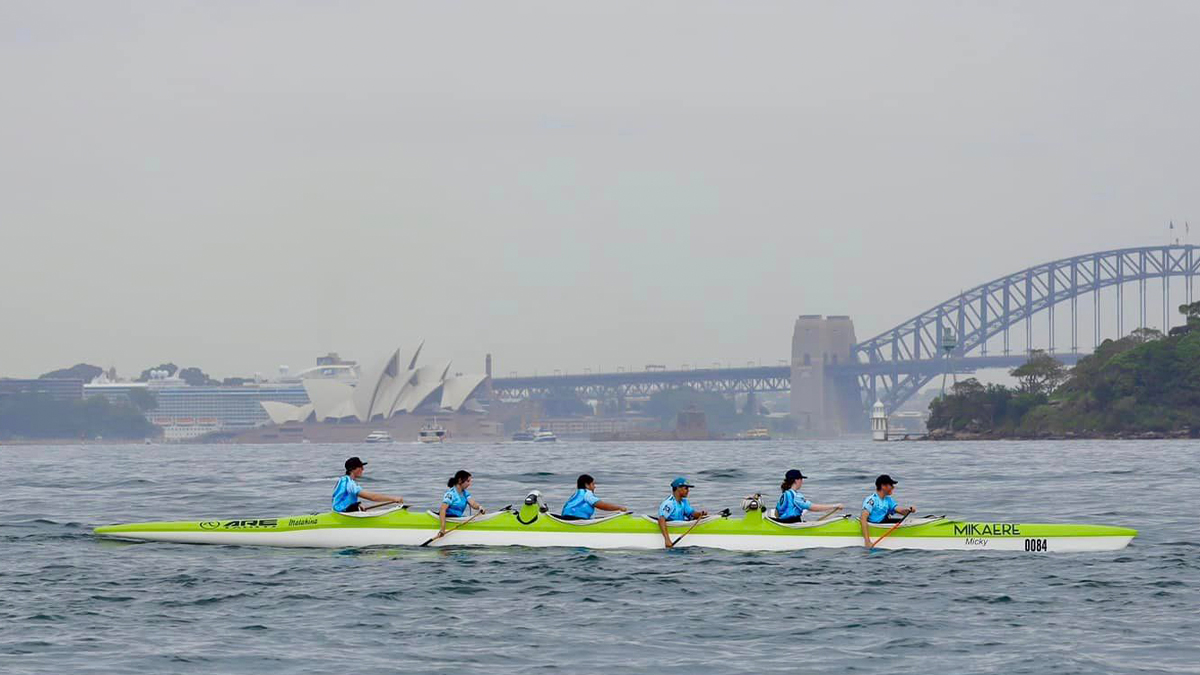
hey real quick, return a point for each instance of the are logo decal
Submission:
(249, 524)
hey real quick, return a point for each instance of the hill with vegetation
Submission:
(1144, 385)
(37, 416)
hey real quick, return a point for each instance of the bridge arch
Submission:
(901, 360)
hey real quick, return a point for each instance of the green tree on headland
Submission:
(1041, 374)
(37, 416)
(1142, 383)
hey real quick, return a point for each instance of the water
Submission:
(72, 603)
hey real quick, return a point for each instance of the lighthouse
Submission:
(879, 422)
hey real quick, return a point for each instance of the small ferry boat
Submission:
(378, 437)
(759, 434)
(432, 433)
(525, 435)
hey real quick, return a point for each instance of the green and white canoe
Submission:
(532, 525)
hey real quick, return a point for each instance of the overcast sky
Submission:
(239, 185)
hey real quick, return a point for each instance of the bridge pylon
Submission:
(825, 398)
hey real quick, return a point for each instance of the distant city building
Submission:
(188, 412)
(59, 390)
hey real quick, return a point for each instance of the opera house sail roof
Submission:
(383, 390)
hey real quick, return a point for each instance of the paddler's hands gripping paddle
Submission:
(723, 514)
(876, 543)
(468, 520)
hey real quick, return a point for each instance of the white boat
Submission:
(378, 437)
(544, 436)
(432, 433)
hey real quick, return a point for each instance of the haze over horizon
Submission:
(563, 185)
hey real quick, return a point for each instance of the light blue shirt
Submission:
(792, 504)
(345, 493)
(455, 501)
(673, 510)
(582, 504)
(878, 508)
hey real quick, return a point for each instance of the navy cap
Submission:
(793, 474)
(353, 463)
(680, 482)
(884, 480)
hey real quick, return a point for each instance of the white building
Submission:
(387, 389)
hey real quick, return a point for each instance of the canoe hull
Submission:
(752, 533)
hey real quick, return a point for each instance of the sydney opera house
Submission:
(387, 391)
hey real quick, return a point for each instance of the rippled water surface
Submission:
(72, 603)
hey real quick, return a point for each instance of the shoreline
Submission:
(946, 435)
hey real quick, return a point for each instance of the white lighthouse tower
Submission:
(879, 422)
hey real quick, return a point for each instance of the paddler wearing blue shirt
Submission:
(457, 499)
(676, 507)
(791, 505)
(347, 492)
(879, 506)
(583, 504)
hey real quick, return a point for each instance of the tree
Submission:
(79, 371)
(143, 400)
(195, 377)
(1041, 374)
(1142, 335)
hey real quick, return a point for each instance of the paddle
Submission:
(723, 514)
(831, 512)
(468, 520)
(382, 504)
(891, 530)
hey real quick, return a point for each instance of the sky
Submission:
(564, 185)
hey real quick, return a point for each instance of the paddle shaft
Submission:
(723, 514)
(379, 505)
(831, 512)
(468, 520)
(686, 533)
(876, 543)
(440, 535)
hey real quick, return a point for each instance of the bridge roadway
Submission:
(603, 386)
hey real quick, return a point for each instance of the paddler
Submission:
(583, 504)
(457, 499)
(791, 505)
(880, 507)
(347, 491)
(676, 507)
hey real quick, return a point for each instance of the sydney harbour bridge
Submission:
(834, 379)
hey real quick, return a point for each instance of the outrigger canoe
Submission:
(534, 525)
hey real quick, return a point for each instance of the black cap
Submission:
(793, 474)
(884, 480)
(353, 463)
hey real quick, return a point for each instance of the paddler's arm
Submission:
(377, 497)
(662, 525)
(442, 519)
(609, 506)
(475, 505)
(862, 519)
(825, 507)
